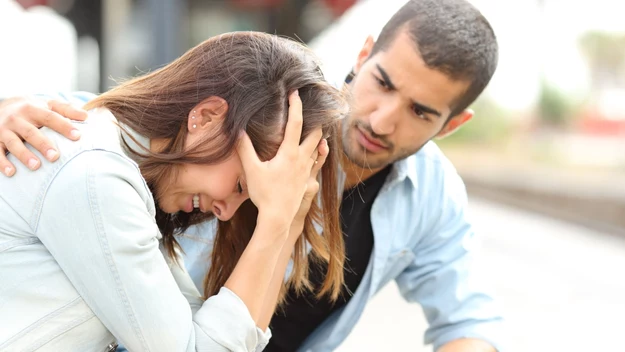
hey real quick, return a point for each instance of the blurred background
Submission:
(543, 160)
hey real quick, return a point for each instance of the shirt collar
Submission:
(141, 145)
(402, 169)
(406, 168)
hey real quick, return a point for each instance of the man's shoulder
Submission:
(431, 161)
(434, 176)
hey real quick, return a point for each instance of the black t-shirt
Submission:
(301, 315)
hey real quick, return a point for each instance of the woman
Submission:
(240, 115)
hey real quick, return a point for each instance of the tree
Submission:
(605, 54)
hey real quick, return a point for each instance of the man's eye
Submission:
(420, 113)
(381, 82)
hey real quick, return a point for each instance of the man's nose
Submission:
(383, 121)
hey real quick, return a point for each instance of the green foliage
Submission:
(489, 125)
(554, 108)
(605, 52)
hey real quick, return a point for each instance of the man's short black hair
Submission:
(452, 37)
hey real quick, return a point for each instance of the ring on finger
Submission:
(315, 156)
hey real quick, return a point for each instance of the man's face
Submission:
(397, 105)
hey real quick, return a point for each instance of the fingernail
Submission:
(33, 163)
(75, 134)
(8, 170)
(296, 93)
(51, 154)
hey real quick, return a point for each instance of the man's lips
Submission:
(369, 143)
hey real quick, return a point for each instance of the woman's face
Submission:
(218, 188)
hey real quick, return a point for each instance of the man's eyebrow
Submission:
(385, 77)
(425, 109)
(389, 84)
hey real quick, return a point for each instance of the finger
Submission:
(324, 150)
(315, 154)
(16, 147)
(36, 138)
(54, 120)
(67, 110)
(247, 153)
(312, 188)
(314, 157)
(8, 169)
(311, 142)
(293, 130)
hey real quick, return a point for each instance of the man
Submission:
(404, 205)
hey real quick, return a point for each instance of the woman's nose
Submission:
(225, 210)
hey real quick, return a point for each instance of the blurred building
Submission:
(560, 62)
(121, 38)
(38, 51)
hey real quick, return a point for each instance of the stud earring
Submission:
(194, 126)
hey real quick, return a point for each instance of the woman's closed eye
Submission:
(239, 187)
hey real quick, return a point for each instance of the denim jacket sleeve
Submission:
(443, 277)
(97, 220)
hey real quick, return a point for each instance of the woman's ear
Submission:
(208, 114)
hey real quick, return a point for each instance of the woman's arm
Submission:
(109, 251)
(278, 188)
(297, 228)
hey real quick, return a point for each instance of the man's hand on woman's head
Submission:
(20, 120)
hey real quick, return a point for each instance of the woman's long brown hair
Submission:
(254, 73)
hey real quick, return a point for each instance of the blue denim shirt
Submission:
(423, 240)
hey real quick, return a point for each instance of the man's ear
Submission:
(364, 54)
(454, 124)
(208, 114)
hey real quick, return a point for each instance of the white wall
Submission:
(38, 51)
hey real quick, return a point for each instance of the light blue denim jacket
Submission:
(81, 264)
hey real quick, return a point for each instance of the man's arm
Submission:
(21, 118)
(461, 311)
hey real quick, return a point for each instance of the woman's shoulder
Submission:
(98, 153)
(100, 150)
(105, 177)
(100, 132)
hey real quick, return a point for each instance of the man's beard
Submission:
(370, 163)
